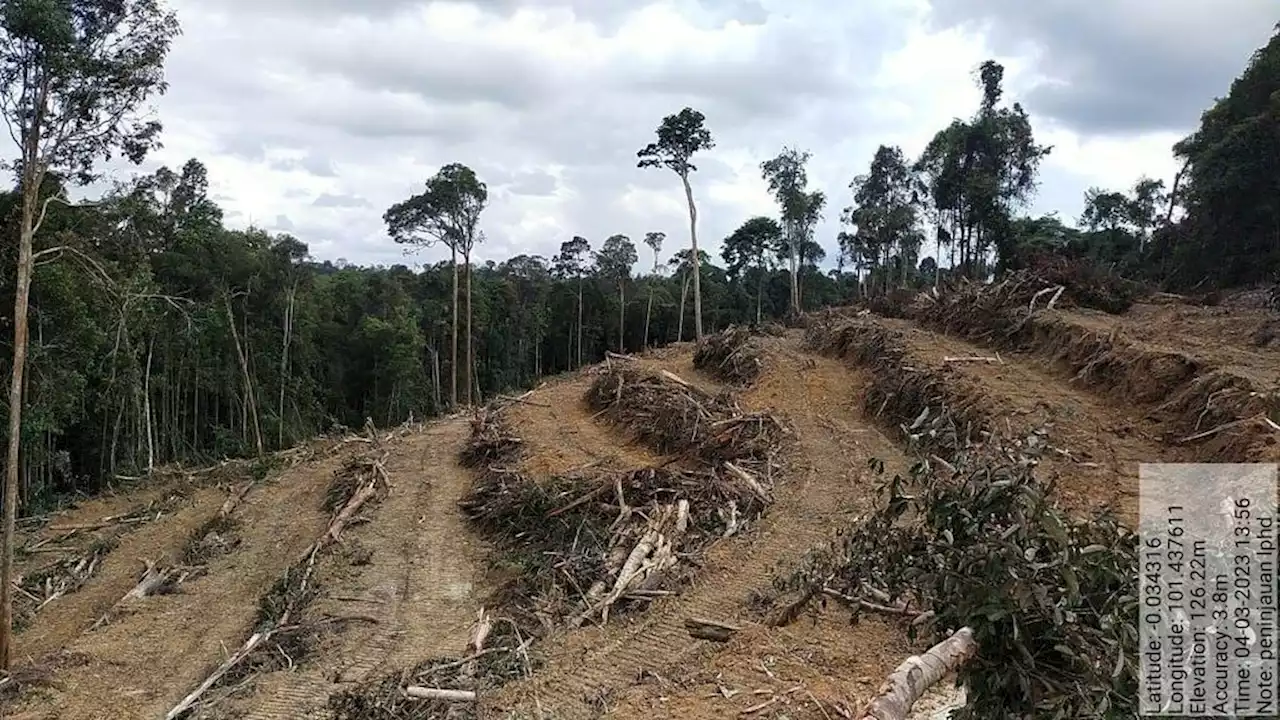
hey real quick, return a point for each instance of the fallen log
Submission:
(714, 630)
(426, 693)
(917, 674)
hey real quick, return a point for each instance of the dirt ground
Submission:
(1221, 336)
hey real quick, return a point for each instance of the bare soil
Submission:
(405, 586)
(143, 663)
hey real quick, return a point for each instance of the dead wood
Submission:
(732, 355)
(917, 674)
(425, 693)
(713, 630)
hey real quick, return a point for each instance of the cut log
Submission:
(713, 630)
(749, 480)
(917, 674)
(674, 378)
(426, 693)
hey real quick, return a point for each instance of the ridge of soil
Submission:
(557, 426)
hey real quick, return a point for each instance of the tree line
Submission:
(145, 331)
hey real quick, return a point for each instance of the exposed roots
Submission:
(731, 355)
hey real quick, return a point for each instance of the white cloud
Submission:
(314, 116)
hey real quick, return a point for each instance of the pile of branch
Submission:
(61, 577)
(932, 414)
(491, 438)
(283, 636)
(442, 687)
(582, 547)
(995, 311)
(731, 355)
(673, 417)
(976, 543)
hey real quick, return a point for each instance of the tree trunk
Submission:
(759, 295)
(693, 241)
(917, 674)
(284, 360)
(648, 313)
(453, 358)
(30, 190)
(684, 292)
(792, 251)
(579, 320)
(471, 367)
(250, 401)
(146, 408)
(622, 318)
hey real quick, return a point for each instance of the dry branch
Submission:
(425, 693)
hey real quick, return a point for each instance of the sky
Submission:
(314, 116)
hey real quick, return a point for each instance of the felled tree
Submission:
(679, 137)
(73, 76)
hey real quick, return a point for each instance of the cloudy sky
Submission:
(314, 115)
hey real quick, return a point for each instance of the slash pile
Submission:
(732, 355)
(674, 417)
(1051, 600)
(581, 546)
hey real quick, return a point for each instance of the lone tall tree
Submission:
(447, 211)
(73, 76)
(679, 137)
(749, 247)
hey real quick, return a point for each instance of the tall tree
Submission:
(787, 180)
(571, 262)
(446, 211)
(73, 74)
(884, 211)
(654, 240)
(679, 137)
(614, 261)
(749, 248)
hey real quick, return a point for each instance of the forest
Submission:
(146, 331)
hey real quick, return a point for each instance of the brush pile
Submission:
(491, 439)
(732, 355)
(933, 415)
(1051, 600)
(673, 417)
(985, 310)
(579, 547)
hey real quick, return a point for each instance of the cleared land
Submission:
(403, 580)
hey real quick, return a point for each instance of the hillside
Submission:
(406, 576)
